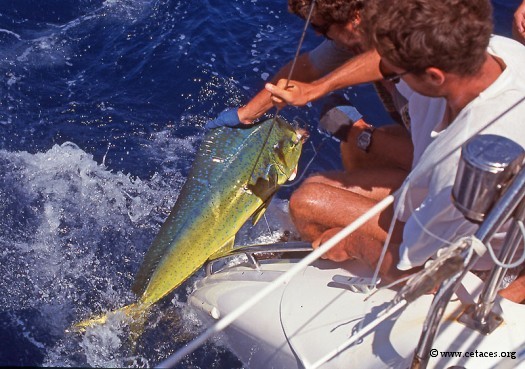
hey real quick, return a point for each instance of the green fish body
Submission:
(233, 177)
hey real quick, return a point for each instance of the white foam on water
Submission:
(16, 35)
(73, 234)
(70, 203)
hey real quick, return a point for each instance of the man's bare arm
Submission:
(391, 147)
(518, 25)
(261, 103)
(362, 68)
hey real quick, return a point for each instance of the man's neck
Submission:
(461, 90)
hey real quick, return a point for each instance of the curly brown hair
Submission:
(331, 11)
(452, 35)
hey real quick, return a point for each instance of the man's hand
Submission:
(296, 94)
(228, 118)
(518, 25)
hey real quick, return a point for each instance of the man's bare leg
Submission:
(328, 202)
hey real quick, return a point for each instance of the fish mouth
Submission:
(293, 175)
(302, 135)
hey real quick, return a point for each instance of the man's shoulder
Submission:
(509, 88)
(330, 49)
(511, 51)
(498, 41)
(328, 55)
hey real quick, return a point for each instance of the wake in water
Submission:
(75, 234)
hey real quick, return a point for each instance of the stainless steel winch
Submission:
(487, 164)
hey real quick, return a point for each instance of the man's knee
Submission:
(302, 200)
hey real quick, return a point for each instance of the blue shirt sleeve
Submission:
(328, 56)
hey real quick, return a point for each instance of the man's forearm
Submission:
(255, 108)
(391, 147)
(360, 69)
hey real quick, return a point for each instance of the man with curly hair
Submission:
(459, 80)
(339, 21)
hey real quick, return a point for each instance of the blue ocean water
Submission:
(102, 106)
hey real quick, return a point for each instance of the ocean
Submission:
(102, 108)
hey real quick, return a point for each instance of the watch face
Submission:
(364, 140)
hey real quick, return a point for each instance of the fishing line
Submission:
(310, 12)
(294, 62)
(316, 152)
(268, 225)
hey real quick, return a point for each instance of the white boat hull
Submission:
(310, 316)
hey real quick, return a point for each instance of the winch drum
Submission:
(488, 162)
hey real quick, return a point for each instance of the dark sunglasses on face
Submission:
(392, 77)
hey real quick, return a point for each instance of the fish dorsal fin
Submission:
(224, 249)
(260, 211)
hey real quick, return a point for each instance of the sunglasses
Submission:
(392, 77)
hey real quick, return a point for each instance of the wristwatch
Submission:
(364, 140)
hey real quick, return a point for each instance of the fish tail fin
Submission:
(135, 312)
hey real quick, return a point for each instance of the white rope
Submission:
(397, 209)
(415, 216)
(511, 265)
(283, 279)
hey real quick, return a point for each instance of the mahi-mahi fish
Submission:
(234, 176)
